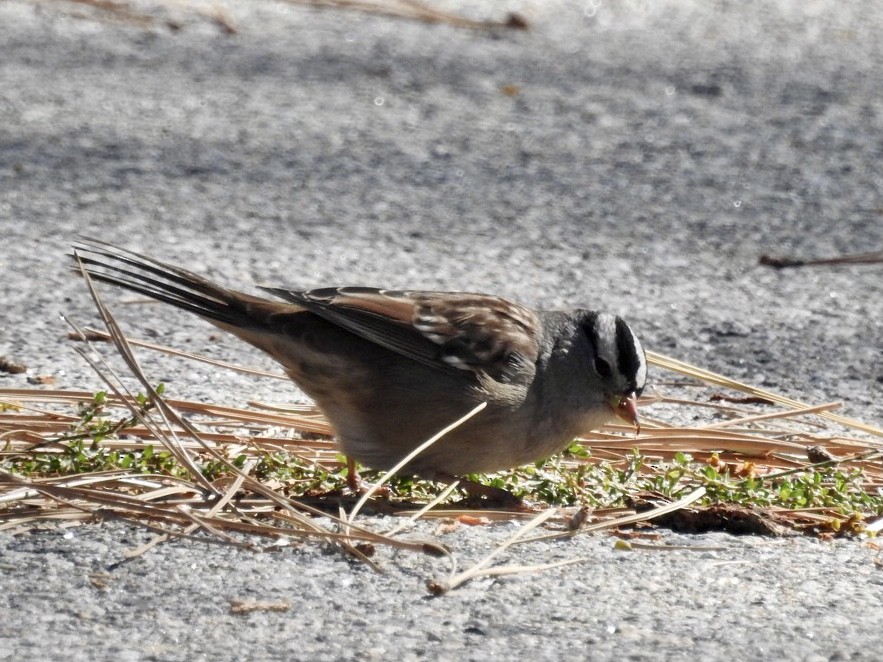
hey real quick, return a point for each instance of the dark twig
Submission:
(779, 262)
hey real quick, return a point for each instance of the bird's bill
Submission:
(626, 407)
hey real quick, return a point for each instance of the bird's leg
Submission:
(353, 479)
(355, 483)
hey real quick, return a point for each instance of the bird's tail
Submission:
(173, 285)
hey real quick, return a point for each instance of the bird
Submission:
(391, 368)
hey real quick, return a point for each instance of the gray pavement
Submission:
(650, 153)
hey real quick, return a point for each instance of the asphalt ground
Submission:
(637, 158)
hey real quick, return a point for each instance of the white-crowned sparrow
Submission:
(391, 368)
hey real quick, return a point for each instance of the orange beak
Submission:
(626, 407)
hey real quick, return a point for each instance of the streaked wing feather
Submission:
(365, 322)
(442, 329)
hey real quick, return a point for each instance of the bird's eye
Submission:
(603, 368)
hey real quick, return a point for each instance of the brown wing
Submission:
(474, 332)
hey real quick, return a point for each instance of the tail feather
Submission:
(163, 282)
